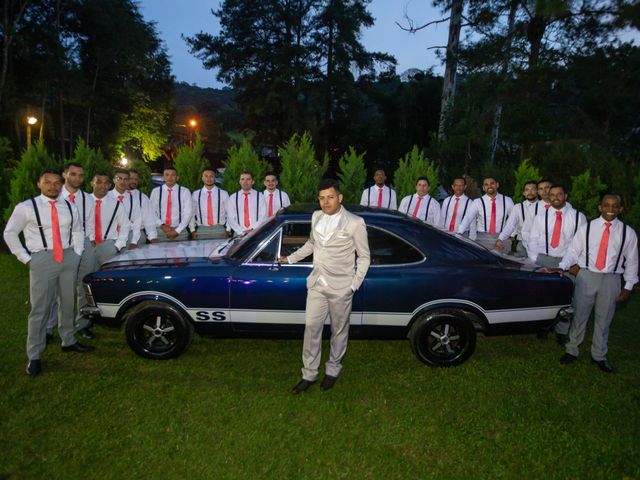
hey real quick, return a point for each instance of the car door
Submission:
(267, 297)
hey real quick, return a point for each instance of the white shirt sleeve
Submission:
(16, 224)
(187, 209)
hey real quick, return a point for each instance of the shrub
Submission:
(243, 159)
(414, 165)
(301, 172)
(585, 193)
(189, 163)
(144, 172)
(6, 162)
(26, 173)
(92, 161)
(524, 173)
(352, 176)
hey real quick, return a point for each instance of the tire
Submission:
(157, 330)
(443, 338)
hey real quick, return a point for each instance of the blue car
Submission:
(423, 284)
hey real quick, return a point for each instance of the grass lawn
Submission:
(224, 409)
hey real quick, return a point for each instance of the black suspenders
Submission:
(484, 211)
(522, 208)
(546, 229)
(160, 204)
(200, 207)
(624, 237)
(130, 206)
(113, 216)
(84, 213)
(368, 196)
(41, 228)
(426, 213)
(237, 194)
(140, 200)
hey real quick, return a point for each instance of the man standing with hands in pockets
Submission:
(338, 241)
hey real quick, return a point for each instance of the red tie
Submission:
(492, 222)
(271, 204)
(247, 220)
(72, 197)
(601, 261)
(546, 206)
(58, 256)
(557, 228)
(452, 225)
(380, 190)
(167, 219)
(120, 198)
(415, 210)
(98, 222)
(209, 208)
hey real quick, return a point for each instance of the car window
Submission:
(387, 249)
(294, 236)
(268, 253)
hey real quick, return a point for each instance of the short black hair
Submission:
(425, 179)
(123, 171)
(529, 182)
(169, 168)
(67, 166)
(327, 183)
(246, 172)
(379, 169)
(558, 185)
(133, 170)
(101, 173)
(545, 180)
(52, 171)
(208, 168)
(271, 173)
(487, 177)
(459, 178)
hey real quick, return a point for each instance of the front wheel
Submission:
(443, 338)
(157, 330)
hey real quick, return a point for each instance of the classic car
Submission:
(429, 286)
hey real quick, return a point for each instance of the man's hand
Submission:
(624, 296)
(132, 246)
(93, 244)
(172, 234)
(244, 232)
(155, 240)
(28, 264)
(554, 270)
(194, 235)
(166, 229)
(499, 244)
(283, 260)
(574, 269)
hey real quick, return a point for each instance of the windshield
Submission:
(240, 246)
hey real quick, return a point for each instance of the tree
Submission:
(240, 159)
(352, 175)
(92, 161)
(189, 163)
(410, 168)
(585, 193)
(524, 173)
(301, 172)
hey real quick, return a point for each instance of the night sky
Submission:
(176, 17)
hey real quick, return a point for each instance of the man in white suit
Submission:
(335, 238)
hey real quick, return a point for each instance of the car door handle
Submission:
(274, 268)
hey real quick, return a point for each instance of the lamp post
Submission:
(30, 121)
(124, 161)
(193, 123)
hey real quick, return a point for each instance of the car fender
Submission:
(139, 297)
(473, 311)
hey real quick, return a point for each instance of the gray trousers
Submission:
(87, 266)
(103, 252)
(183, 235)
(601, 290)
(323, 301)
(46, 279)
(206, 232)
(547, 261)
(489, 241)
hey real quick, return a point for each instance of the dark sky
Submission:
(176, 17)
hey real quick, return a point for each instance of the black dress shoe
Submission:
(567, 358)
(603, 365)
(86, 332)
(33, 368)
(78, 347)
(562, 339)
(328, 382)
(302, 386)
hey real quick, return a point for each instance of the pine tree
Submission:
(243, 159)
(301, 172)
(189, 163)
(352, 175)
(410, 168)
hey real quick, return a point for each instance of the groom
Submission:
(336, 237)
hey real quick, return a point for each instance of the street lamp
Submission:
(193, 123)
(124, 161)
(30, 121)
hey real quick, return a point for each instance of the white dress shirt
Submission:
(280, 199)
(181, 206)
(147, 217)
(627, 263)
(522, 213)
(23, 219)
(448, 206)
(219, 199)
(480, 212)
(370, 197)
(235, 211)
(82, 201)
(132, 212)
(113, 221)
(429, 211)
(540, 235)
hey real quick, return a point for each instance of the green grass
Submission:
(224, 409)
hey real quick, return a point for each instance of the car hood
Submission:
(169, 252)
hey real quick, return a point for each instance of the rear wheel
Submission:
(157, 330)
(443, 338)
